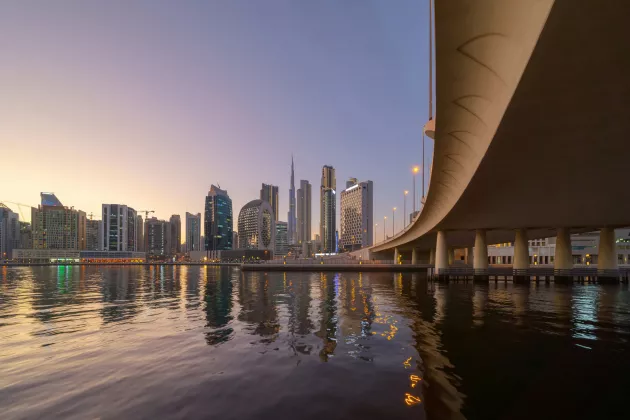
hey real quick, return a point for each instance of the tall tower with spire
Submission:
(291, 228)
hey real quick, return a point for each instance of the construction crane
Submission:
(146, 213)
(20, 205)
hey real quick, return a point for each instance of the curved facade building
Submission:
(256, 226)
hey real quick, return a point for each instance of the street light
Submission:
(405, 209)
(393, 220)
(415, 171)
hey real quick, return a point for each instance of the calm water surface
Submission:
(208, 342)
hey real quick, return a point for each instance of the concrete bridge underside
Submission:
(533, 121)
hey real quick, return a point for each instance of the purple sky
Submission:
(147, 103)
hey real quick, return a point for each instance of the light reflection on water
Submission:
(198, 342)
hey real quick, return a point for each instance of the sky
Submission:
(148, 103)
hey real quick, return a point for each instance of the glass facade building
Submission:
(119, 228)
(269, 193)
(282, 239)
(218, 220)
(193, 232)
(328, 210)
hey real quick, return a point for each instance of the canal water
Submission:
(209, 342)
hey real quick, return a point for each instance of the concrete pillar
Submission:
(451, 256)
(480, 259)
(441, 255)
(469, 255)
(607, 269)
(414, 256)
(563, 258)
(432, 256)
(521, 256)
(396, 255)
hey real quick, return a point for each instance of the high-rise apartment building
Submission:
(9, 232)
(193, 232)
(328, 209)
(53, 225)
(176, 234)
(235, 240)
(139, 233)
(304, 196)
(218, 220)
(82, 229)
(282, 239)
(156, 234)
(291, 219)
(93, 232)
(119, 228)
(357, 220)
(26, 236)
(269, 193)
(256, 226)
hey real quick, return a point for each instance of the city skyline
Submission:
(170, 98)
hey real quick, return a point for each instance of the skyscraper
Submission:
(93, 232)
(256, 226)
(356, 215)
(218, 220)
(235, 240)
(304, 196)
(119, 228)
(139, 234)
(328, 209)
(193, 232)
(269, 193)
(54, 226)
(81, 229)
(26, 236)
(176, 234)
(155, 236)
(9, 232)
(282, 240)
(291, 224)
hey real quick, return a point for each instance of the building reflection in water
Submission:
(218, 304)
(441, 347)
(328, 312)
(257, 304)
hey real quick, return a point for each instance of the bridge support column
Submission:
(414, 256)
(607, 269)
(441, 256)
(396, 256)
(563, 258)
(469, 256)
(432, 256)
(521, 257)
(480, 259)
(451, 256)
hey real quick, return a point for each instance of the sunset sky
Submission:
(147, 103)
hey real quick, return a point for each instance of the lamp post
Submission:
(384, 224)
(393, 220)
(405, 210)
(415, 171)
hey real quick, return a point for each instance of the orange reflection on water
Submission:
(411, 399)
(414, 380)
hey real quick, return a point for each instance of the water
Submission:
(208, 342)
